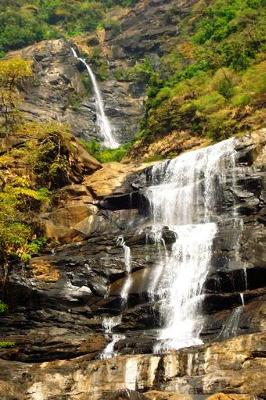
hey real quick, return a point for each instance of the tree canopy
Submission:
(24, 22)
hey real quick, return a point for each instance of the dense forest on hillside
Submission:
(24, 22)
(213, 81)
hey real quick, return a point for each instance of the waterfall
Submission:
(127, 260)
(231, 325)
(183, 196)
(108, 324)
(102, 120)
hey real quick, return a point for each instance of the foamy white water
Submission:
(108, 324)
(102, 120)
(127, 260)
(183, 196)
(109, 351)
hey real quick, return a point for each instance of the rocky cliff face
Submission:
(61, 90)
(82, 282)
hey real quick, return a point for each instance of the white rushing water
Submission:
(232, 323)
(127, 260)
(108, 324)
(183, 196)
(102, 120)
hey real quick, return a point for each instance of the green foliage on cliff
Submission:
(142, 71)
(13, 73)
(39, 162)
(17, 201)
(213, 81)
(3, 307)
(105, 155)
(6, 345)
(24, 22)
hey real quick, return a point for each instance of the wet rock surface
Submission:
(58, 304)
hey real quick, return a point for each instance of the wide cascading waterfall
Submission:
(183, 195)
(102, 120)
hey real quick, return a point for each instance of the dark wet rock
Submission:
(238, 280)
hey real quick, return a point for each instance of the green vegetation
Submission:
(23, 22)
(28, 174)
(13, 73)
(3, 307)
(100, 63)
(105, 155)
(213, 81)
(142, 71)
(41, 163)
(17, 236)
(7, 345)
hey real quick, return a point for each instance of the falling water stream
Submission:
(232, 323)
(183, 196)
(127, 260)
(108, 324)
(102, 120)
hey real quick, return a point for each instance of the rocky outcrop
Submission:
(79, 210)
(234, 366)
(147, 29)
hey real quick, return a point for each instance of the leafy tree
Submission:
(23, 23)
(17, 236)
(13, 72)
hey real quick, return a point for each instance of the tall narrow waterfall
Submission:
(183, 196)
(102, 120)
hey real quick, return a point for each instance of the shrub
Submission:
(209, 102)
(105, 155)
(224, 81)
(16, 233)
(13, 72)
(254, 79)
(240, 100)
(3, 307)
(6, 345)
(220, 125)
